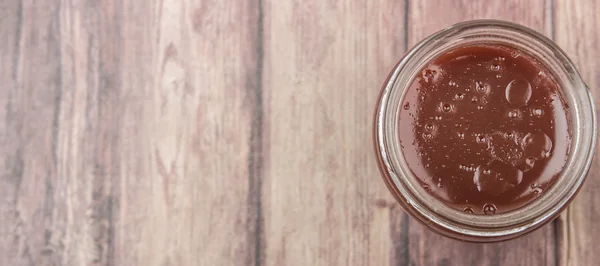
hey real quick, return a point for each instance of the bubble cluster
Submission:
(430, 75)
(496, 178)
(481, 87)
(537, 189)
(486, 126)
(484, 100)
(513, 114)
(466, 168)
(537, 145)
(446, 107)
(489, 209)
(429, 127)
(480, 138)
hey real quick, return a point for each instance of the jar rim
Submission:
(445, 220)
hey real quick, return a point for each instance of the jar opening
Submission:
(430, 210)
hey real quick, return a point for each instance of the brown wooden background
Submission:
(212, 132)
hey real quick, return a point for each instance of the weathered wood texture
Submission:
(128, 132)
(577, 31)
(323, 202)
(207, 132)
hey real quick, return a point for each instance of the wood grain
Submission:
(207, 132)
(187, 177)
(128, 132)
(32, 207)
(323, 200)
(577, 27)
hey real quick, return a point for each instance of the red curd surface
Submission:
(485, 129)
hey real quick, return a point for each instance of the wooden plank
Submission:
(577, 26)
(128, 132)
(534, 14)
(61, 110)
(189, 145)
(88, 123)
(323, 201)
(427, 248)
(30, 74)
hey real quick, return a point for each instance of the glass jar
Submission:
(432, 212)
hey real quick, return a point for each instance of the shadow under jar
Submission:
(484, 131)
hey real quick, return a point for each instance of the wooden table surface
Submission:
(211, 132)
